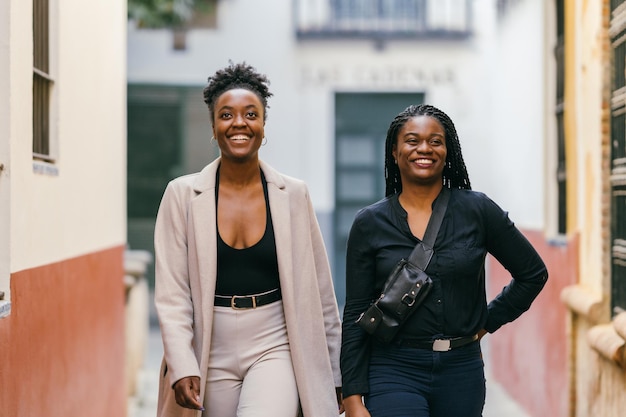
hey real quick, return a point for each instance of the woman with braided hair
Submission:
(243, 290)
(433, 367)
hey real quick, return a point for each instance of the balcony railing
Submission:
(383, 19)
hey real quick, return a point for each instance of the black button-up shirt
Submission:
(456, 306)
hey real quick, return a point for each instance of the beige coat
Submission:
(185, 247)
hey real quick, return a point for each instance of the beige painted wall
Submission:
(81, 207)
(586, 90)
(597, 339)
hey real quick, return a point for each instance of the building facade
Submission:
(573, 350)
(596, 140)
(62, 207)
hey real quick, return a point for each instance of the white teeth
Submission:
(239, 137)
(423, 161)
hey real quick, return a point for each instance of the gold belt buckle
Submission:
(234, 306)
(441, 345)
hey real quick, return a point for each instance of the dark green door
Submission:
(361, 122)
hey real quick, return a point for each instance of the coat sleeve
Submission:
(330, 310)
(172, 288)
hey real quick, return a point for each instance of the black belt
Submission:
(438, 345)
(240, 302)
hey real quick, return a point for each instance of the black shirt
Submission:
(456, 306)
(250, 270)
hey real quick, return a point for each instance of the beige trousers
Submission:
(250, 369)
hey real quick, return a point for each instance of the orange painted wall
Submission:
(529, 357)
(62, 347)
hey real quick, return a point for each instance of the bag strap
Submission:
(423, 251)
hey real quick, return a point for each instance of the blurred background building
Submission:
(340, 72)
(93, 122)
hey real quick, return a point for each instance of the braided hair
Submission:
(234, 76)
(454, 173)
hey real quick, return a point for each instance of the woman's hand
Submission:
(187, 392)
(354, 406)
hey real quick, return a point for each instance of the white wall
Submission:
(517, 123)
(305, 75)
(81, 208)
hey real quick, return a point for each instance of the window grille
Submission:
(617, 31)
(561, 172)
(42, 81)
(383, 19)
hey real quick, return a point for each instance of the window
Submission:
(379, 9)
(503, 7)
(561, 173)
(617, 33)
(42, 81)
(392, 19)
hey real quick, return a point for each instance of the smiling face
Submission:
(420, 151)
(238, 124)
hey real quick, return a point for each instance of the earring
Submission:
(264, 141)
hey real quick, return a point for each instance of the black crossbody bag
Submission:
(407, 285)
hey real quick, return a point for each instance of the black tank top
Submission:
(250, 270)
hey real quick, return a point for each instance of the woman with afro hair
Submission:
(243, 290)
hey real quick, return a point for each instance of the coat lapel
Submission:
(203, 226)
(281, 219)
